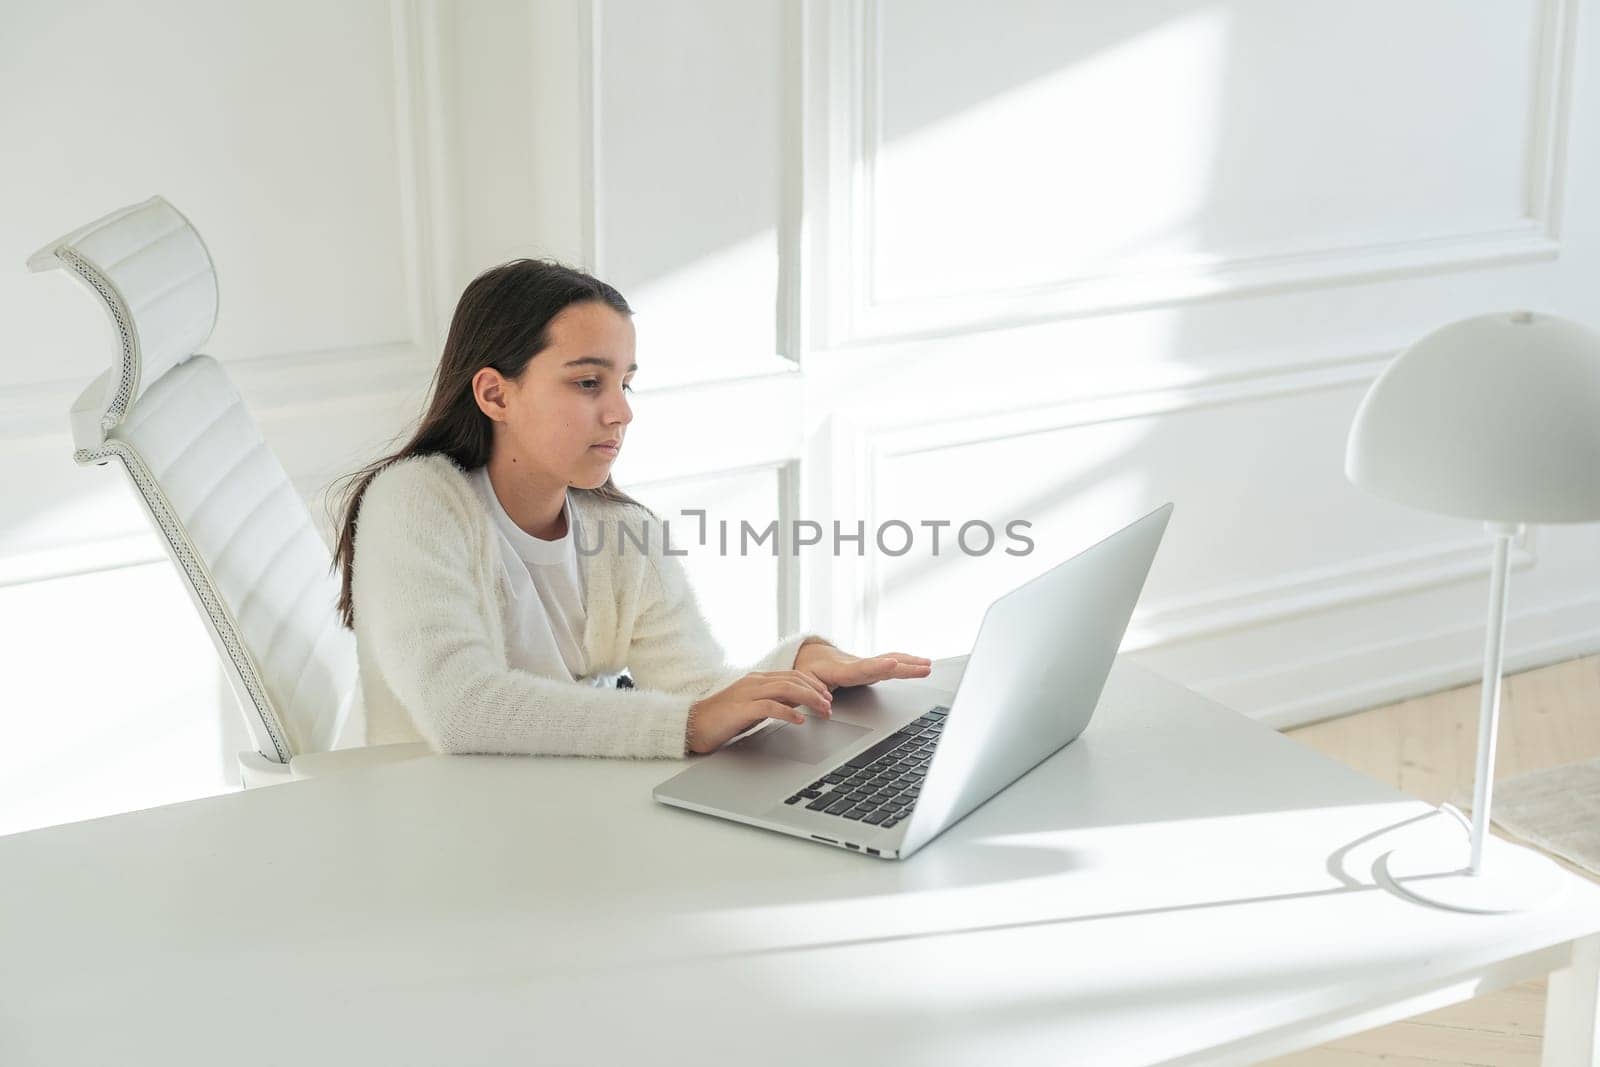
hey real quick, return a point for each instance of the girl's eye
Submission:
(596, 381)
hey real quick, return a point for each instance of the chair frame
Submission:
(100, 408)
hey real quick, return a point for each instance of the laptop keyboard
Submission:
(879, 785)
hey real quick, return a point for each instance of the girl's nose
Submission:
(620, 412)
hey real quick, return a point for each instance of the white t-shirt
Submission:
(545, 613)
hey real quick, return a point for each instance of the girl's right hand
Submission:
(758, 695)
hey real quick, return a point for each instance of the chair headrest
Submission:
(149, 267)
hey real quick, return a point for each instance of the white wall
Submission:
(1158, 251)
(924, 261)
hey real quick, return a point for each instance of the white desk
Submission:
(1180, 885)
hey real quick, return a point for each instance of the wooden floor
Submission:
(1428, 746)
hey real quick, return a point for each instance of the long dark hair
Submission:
(502, 321)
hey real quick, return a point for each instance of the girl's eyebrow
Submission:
(599, 361)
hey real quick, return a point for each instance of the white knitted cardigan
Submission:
(428, 593)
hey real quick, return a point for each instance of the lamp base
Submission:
(1436, 872)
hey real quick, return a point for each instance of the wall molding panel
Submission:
(352, 380)
(843, 71)
(1287, 695)
(1242, 606)
(591, 30)
(427, 183)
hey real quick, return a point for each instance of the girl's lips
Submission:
(610, 450)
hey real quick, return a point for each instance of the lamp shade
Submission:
(1494, 417)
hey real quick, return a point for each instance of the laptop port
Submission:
(849, 845)
(829, 840)
(873, 852)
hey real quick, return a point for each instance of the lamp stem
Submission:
(1489, 709)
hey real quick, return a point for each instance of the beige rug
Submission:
(1557, 809)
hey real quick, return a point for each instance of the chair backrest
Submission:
(231, 519)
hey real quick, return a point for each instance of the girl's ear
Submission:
(489, 389)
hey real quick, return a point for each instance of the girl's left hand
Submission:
(834, 667)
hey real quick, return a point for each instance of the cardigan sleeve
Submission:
(418, 607)
(673, 648)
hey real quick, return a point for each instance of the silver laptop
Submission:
(901, 761)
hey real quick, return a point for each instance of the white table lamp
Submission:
(1495, 417)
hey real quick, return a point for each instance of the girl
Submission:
(497, 580)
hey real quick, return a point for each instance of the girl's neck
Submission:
(532, 500)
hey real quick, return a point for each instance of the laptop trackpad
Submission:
(809, 742)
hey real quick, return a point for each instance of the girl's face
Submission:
(570, 400)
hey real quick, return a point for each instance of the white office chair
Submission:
(231, 520)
